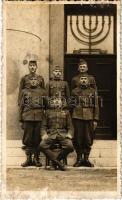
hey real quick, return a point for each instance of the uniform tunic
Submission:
(32, 104)
(25, 83)
(84, 113)
(58, 88)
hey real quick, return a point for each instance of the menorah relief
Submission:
(90, 30)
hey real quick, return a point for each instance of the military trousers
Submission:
(83, 136)
(32, 137)
(66, 147)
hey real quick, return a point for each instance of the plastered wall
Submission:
(22, 18)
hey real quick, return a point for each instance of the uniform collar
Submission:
(56, 79)
(84, 87)
(32, 75)
(83, 74)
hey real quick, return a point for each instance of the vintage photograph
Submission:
(62, 88)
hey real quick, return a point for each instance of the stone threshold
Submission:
(68, 167)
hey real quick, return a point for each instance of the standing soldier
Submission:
(83, 68)
(85, 116)
(57, 87)
(32, 105)
(57, 128)
(31, 60)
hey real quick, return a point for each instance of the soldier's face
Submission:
(34, 82)
(84, 81)
(83, 68)
(32, 67)
(57, 73)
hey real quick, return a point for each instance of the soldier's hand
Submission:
(44, 137)
(68, 136)
(95, 125)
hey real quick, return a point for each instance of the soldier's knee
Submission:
(70, 147)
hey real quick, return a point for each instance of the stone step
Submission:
(103, 154)
(100, 144)
(99, 162)
(95, 152)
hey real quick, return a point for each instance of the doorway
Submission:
(101, 62)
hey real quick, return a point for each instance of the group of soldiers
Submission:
(53, 114)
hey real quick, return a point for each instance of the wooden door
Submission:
(103, 68)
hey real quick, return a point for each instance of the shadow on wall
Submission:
(12, 76)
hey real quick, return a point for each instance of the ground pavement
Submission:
(73, 179)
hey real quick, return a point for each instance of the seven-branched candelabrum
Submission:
(90, 30)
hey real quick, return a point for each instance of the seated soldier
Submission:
(31, 114)
(57, 128)
(85, 116)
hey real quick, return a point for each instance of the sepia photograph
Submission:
(61, 129)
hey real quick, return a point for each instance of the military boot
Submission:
(59, 165)
(87, 163)
(79, 161)
(53, 166)
(28, 161)
(36, 160)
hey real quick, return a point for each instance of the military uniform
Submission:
(25, 83)
(57, 125)
(75, 81)
(84, 113)
(32, 104)
(30, 59)
(58, 88)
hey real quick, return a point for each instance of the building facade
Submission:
(45, 30)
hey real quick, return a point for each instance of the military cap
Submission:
(84, 76)
(82, 61)
(57, 67)
(30, 58)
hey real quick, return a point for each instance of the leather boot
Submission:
(63, 155)
(28, 161)
(79, 161)
(87, 163)
(53, 166)
(36, 160)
